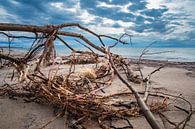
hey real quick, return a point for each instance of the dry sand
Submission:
(16, 114)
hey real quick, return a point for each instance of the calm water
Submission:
(176, 54)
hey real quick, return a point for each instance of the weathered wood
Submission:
(144, 108)
(52, 32)
(48, 29)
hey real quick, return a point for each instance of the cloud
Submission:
(107, 5)
(179, 16)
(108, 9)
(156, 13)
(152, 19)
(137, 5)
(58, 5)
(5, 16)
(23, 11)
(135, 11)
(191, 35)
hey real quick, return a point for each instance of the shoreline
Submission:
(155, 63)
(161, 59)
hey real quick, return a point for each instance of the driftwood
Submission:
(146, 111)
(75, 92)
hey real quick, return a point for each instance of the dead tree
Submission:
(50, 33)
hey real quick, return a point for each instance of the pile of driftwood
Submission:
(78, 93)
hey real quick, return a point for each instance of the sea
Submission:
(173, 53)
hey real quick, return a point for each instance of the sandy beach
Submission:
(97, 64)
(178, 80)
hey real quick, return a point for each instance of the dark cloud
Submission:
(37, 12)
(191, 35)
(149, 19)
(118, 2)
(24, 11)
(89, 5)
(159, 26)
(155, 26)
(112, 13)
(139, 28)
(156, 13)
(137, 5)
(94, 2)
(140, 19)
(152, 21)
(116, 25)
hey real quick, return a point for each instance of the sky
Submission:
(171, 22)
